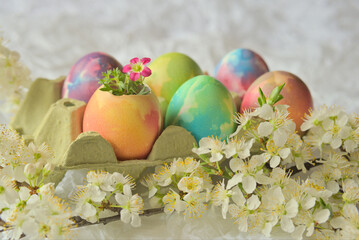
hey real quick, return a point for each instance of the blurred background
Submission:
(315, 40)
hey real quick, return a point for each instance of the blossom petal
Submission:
(284, 152)
(145, 60)
(292, 208)
(121, 199)
(249, 184)
(308, 202)
(238, 197)
(338, 222)
(134, 76)
(87, 210)
(267, 229)
(236, 164)
(243, 224)
(136, 220)
(134, 60)
(225, 207)
(146, 72)
(216, 157)
(322, 215)
(237, 178)
(274, 162)
(287, 224)
(264, 129)
(125, 216)
(253, 202)
(126, 68)
(280, 137)
(298, 232)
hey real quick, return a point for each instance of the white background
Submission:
(315, 40)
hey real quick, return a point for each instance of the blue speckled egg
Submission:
(204, 107)
(82, 80)
(239, 69)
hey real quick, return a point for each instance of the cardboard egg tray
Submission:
(45, 117)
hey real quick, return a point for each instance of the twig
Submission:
(79, 222)
(308, 166)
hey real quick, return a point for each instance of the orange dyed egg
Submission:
(130, 123)
(296, 94)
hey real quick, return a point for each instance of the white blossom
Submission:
(195, 205)
(100, 179)
(14, 78)
(213, 146)
(238, 148)
(348, 222)
(151, 184)
(132, 206)
(351, 191)
(163, 175)
(275, 154)
(181, 166)
(8, 195)
(83, 198)
(274, 201)
(221, 196)
(242, 212)
(190, 184)
(173, 202)
(314, 118)
(243, 120)
(248, 172)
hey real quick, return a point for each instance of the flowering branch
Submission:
(246, 176)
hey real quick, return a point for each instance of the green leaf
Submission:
(260, 102)
(262, 97)
(275, 95)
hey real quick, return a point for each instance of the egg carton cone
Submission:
(45, 117)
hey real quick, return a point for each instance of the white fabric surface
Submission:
(315, 40)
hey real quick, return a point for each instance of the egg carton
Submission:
(46, 117)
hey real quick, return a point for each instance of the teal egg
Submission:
(204, 107)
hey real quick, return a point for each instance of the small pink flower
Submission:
(137, 67)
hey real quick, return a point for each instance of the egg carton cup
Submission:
(46, 117)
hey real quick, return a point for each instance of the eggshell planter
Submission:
(59, 125)
(130, 123)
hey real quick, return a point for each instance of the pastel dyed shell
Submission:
(169, 72)
(239, 69)
(203, 106)
(82, 80)
(130, 123)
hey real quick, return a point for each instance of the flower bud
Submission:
(49, 167)
(39, 166)
(47, 189)
(30, 170)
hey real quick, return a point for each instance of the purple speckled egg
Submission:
(82, 81)
(239, 69)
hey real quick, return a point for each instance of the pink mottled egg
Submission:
(82, 80)
(239, 69)
(296, 94)
(130, 123)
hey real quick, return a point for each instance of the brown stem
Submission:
(79, 222)
(308, 166)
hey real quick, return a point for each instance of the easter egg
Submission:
(239, 69)
(295, 92)
(204, 107)
(169, 72)
(82, 80)
(130, 123)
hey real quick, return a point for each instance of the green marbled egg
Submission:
(203, 106)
